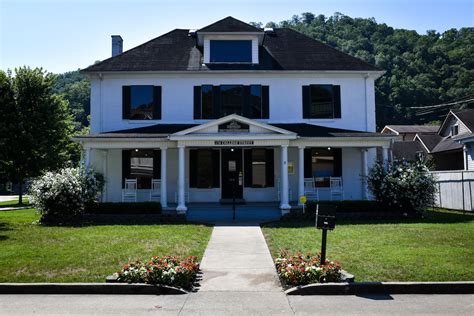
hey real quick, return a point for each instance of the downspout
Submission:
(101, 124)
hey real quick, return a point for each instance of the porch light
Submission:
(136, 149)
(232, 149)
(329, 148)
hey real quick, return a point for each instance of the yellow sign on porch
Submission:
(303, 199)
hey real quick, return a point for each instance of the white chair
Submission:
(186, 192)
(336, 189)
(310, 190)
(129, 193)
(290, 193)
(155, 191)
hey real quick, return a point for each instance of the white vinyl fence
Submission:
(455, 189)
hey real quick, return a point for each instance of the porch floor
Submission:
(218, 213)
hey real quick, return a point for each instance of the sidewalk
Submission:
(238, 275)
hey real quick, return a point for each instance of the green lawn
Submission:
(439, 248)
(34, 253)
(14, 203)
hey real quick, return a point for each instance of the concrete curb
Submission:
(466, 287)
(87, 288)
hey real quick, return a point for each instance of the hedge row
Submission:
(125, 208)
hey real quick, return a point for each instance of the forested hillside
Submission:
(422, 70)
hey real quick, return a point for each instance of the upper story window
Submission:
(141, 102)
(211, 102)
(321, 101)
(230, 51)
(454, 130)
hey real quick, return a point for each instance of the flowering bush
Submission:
(302, 270)
(166, 270)
(408, 186)
(64, 194)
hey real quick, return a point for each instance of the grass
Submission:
(14, 203)
(35, 253)
(438, 248)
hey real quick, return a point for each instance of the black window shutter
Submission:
(197, 103)
(193, 163)
(246, 111)
(248, 168)
(215, 168)
(216, 92)
(125, 166)
(157, 102)
(125, 102)
(269, 167)
(156, 164)
(265, 102)
(306, 102)
(337, 162)
(336, 90)
(308, 165)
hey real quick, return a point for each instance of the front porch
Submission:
(254, 161)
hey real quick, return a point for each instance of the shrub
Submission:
(166, 270)
(407, 186)
(63, 195)
(301, 270)
(124, 208)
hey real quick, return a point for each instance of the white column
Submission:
(181, 202)
(465, 158)
(385, 157)
(106, 174)
(300, 171)
(284, 206)
(164, 197)
(365, 172)
(87, 157)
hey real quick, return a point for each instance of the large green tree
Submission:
(35, 125)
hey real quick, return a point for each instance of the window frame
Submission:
(333, 115)
(156, 101)
(221, 96)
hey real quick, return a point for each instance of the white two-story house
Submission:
(232, 111)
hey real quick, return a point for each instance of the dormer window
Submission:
(231, 51)
(454, 130)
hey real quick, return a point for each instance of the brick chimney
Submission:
(117, 45)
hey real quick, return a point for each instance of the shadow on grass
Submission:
(4, 227)
(436, 216)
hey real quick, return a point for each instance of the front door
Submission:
(232, 174)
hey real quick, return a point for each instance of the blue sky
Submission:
(62, 35)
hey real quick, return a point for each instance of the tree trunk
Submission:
(20, 191)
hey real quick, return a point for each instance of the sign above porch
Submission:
(234, 127)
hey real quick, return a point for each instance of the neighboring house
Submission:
(232, 108)
(405, 146)
(451, 146)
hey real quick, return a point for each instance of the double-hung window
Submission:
(321, 101)
(141, 102)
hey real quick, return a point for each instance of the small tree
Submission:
(35, 125)
(408, 186)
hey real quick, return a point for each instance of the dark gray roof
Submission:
(310, 130)
(285, 49)
(302, 129)
(415, 128)
(229, 24)
(447, 144)
(430, 140)
(406, 150)
(467, 117)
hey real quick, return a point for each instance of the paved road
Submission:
(8, 198)
(243, 303)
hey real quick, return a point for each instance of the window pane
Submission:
(255, 101)
(204, 168)
(231, 51)
(141, 167)
(206, 101)
(141, 102)
(322, 101)
(231, 99)
(258, 168)
(322, 162)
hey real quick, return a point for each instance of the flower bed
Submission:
(166, 270)
(306, 269)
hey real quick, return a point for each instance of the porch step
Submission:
(230, 201)
(243, 213)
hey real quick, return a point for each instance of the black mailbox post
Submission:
(325, 220)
